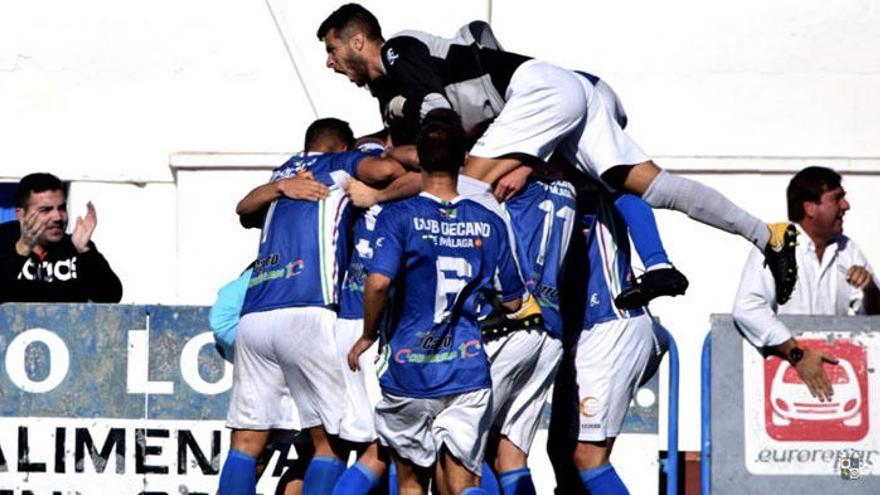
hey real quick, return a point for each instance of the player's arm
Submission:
(375, 293)
(251, 210)
(393, 179)
(388, 248)
(364, 196)
(510, 282)
(754, 311)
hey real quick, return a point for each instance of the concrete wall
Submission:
(165, 112)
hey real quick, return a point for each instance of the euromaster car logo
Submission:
(792, 414)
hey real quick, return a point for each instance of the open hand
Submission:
(84, 228)
(303, 186)
(31, 229)
(813, 374)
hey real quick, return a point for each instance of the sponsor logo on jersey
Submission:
(48, 271)
(465, 350)
(294, 268)
(391, 56)
(290, 270)
(588, 406)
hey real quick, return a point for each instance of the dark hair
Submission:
(441, 142)
(349, 17)
(808, 185)
(35, 183)
(329, 131)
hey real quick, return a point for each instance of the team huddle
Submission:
(416, 293)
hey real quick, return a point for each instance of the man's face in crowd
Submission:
(344, 56)
(51, 208)
(827, 213)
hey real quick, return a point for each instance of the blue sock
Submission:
(321, 475)
(517, 482)
(473, 491)
(488, 481)
(392, 478)
(239, 476)
(639, 217)
(356, 480)
(603, 480)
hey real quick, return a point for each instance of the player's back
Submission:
(443, 257)
(304, 244)
(542, 218)
(473, 77)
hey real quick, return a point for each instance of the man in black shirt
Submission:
(39, 262)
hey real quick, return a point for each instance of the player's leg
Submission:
(604, 150)
(404, 426)
(362, 394)
(519, 420)
(258, 403)
(307, 352)
(596, 472)
(562, 432)
(291, 481)
(461, 430)
(454, 477)
(661, 278)
(662, 189)
(411, 480)
(365, 474)
(511, 464)
(544, 103)
(612, 360)
(239, 474)
(327, 465)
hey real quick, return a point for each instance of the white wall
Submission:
(736, 94)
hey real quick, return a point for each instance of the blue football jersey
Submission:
(543, 217)
(351, 302)
(606, 240)
(443, 257)
(304, 244)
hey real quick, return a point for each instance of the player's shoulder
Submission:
(406, 44)
(292, 166)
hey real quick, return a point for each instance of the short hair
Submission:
(348, 18)
(808, 185)
(441, 142)
(329, 131)
(35, 183)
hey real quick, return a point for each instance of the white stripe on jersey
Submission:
(608, 251)
(330, 210)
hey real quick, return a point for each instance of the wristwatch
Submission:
(795, 355)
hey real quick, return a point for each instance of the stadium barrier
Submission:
(762, 432)
(128, 399)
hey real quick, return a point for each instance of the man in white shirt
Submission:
(834, 277)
